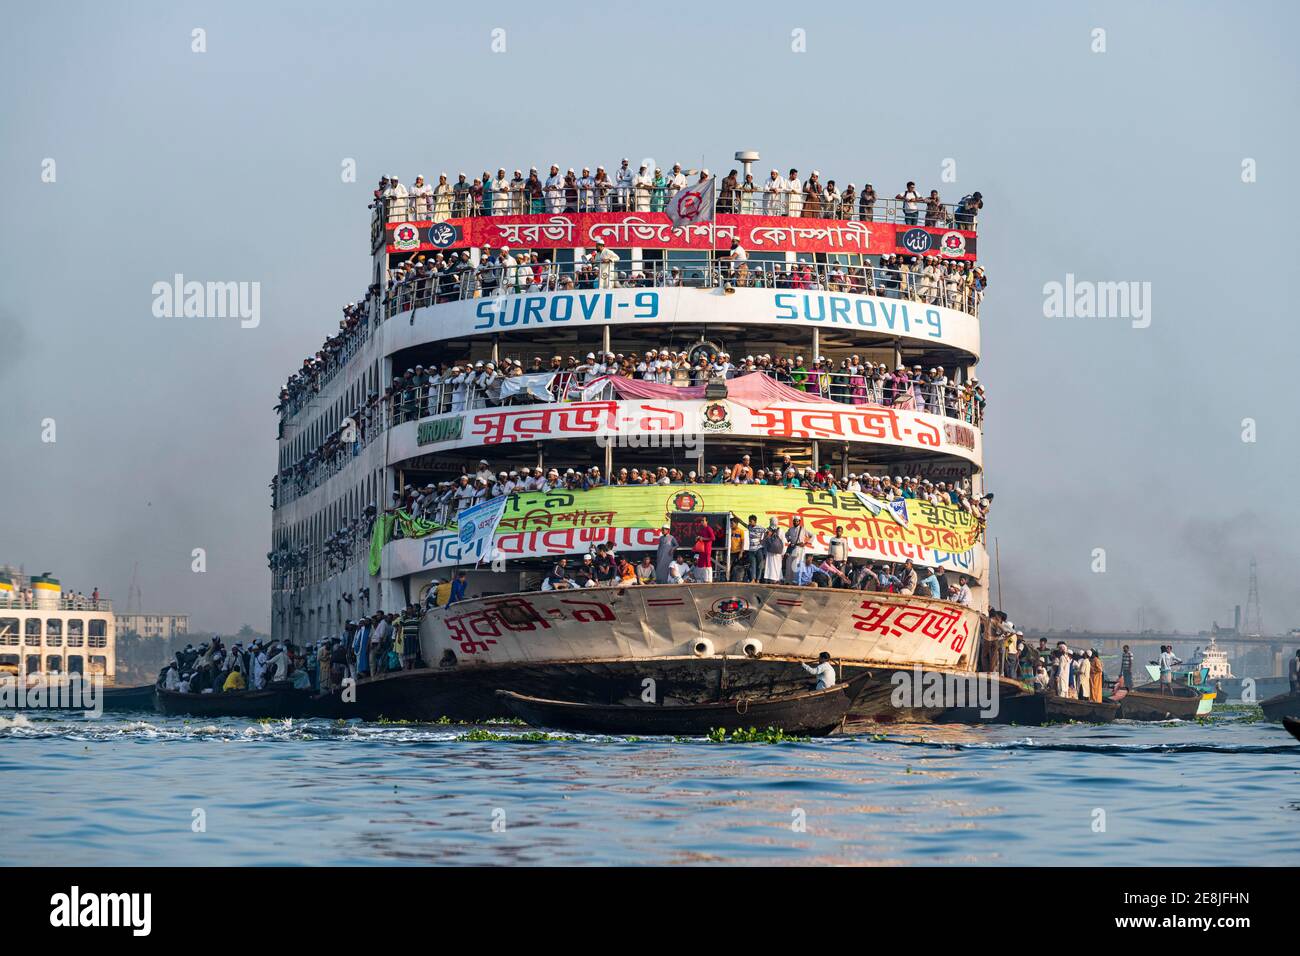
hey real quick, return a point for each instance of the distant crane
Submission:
(134, 600)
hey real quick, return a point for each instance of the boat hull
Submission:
(1282, 706)
(810, 713)
(273, 703)
(1150, 703)
(130, 698)
(1039, 709)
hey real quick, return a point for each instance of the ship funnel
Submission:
(46, 590)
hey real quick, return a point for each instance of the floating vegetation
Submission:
(771, 735)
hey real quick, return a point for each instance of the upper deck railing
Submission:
(934, 281)
(22, 603)
(464, 204)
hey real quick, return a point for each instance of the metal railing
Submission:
(519, 198)
(469, 391)
(65, 603)
(933, 281)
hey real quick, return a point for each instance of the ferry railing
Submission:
(932, 281)
(66, 603)
(959, 402)
(745, 200)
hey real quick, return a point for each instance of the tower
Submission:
(1254, 620)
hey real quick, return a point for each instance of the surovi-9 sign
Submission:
(440, 429)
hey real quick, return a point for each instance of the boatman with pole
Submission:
(824, 671)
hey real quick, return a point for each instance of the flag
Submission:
(898, 508)
(871, 504)
(478, 523)
(692, 205)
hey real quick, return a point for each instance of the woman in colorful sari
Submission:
(489, 190)
(1095, 676)
(658, 191)
(533, 193)
(476, 196)
(857, 382)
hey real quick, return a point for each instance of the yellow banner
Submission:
(941, 527)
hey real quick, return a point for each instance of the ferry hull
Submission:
(703, 621)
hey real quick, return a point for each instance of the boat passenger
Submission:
(1293, 672)
(824, 671)
(1168, 661)
(234, 681)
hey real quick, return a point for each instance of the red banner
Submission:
(652, 230)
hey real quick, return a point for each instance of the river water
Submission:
(142, 789)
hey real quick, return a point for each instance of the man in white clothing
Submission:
(554, 190)
(623, 186)
(606, 259)
(774, 195)
(824, 671)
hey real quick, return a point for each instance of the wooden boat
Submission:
(1292, 724)
(269, 702)
(1153, 702)
(1282, 706)
(129, 698)
(1039, 709)
(814, 713)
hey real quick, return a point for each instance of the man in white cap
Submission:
(422, 194)
(642, 184)
(554, 189)
(794, 194)
(774, 195)
(606, 260)
(665, 552)
(623, 186)
(676, 182)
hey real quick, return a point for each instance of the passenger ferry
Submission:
(45, 634)
(604, 276)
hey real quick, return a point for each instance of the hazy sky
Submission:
(225, 165)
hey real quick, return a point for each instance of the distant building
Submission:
(154, 625)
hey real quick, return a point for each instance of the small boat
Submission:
(1039, 709)
(129, 698)
(269, 702)
(1154, 702)
(1292, 725)
(814, 713)
(1282, 706)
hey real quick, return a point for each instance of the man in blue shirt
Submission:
(457, 589)
(803, 572)
(929, 583)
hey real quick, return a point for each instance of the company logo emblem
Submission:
(406, 236)
(443, 234)
(916, 240)
(732, 611)
(716, 417)
(952, 244)
(688, 204)
(684, 501)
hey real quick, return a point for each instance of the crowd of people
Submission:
(334, 353)
(451, 276)
(375, 644)
(648, 188)
(457, 386)
(440, 503)
(757, 554)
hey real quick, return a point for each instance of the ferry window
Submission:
(53, 664)
(53, 632)
(99, 665)
(53, 636)
(33, 664)
(76, 664)
(32, 632)
(75, 638)
(98, 628)
(9, 663)
(96, 641)
(8, 630)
